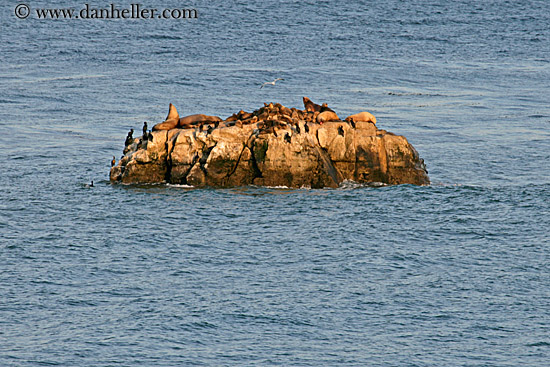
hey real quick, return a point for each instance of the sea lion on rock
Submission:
(285, 110)
(187, 121)
(362, 117)
(263, 116)
(171, 121)
(310, 106)
(233, 117)
(245, 115)
(327, 116)
(251, 120)
(325, 107)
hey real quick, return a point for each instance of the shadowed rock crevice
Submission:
(272, 149)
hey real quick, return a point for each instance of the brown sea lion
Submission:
(284, 118)
(263, 116)
(246, 115)
(362, 117)
(233, 117)
(250, 120)
(171, 120)
(325, 107)
(327, 116)
(285, 111)
(187, 121)
(310, 106)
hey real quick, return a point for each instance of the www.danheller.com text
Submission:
(87, 11)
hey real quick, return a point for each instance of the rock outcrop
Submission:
(273, 146)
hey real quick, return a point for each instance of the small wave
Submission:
(182, 186)
(539, 344)
(162, 37)
(350, 185)
(8, 101)
(67, 77)
(401, 94)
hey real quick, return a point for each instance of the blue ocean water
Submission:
(452, 274)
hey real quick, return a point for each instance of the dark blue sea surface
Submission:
(456, 273)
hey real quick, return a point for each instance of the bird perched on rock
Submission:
(298, 130)
(144, 127)
(129, 137)
(340, 130)
(288, 138)
(306, 128)
(113, 162)
(352, 123)
(150, 136)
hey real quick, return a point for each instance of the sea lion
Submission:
(325, 107)
(310, 106)
(187, 121)
(327, 116)
(263, 116)
(285, 111)
(233, 117)
(171, 121)
(284, 118)
(244, 115)
(362, 117)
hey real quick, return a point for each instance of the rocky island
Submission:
(272, 146)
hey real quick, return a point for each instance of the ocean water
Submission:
(456, 273)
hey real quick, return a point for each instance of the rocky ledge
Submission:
(272, 146)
